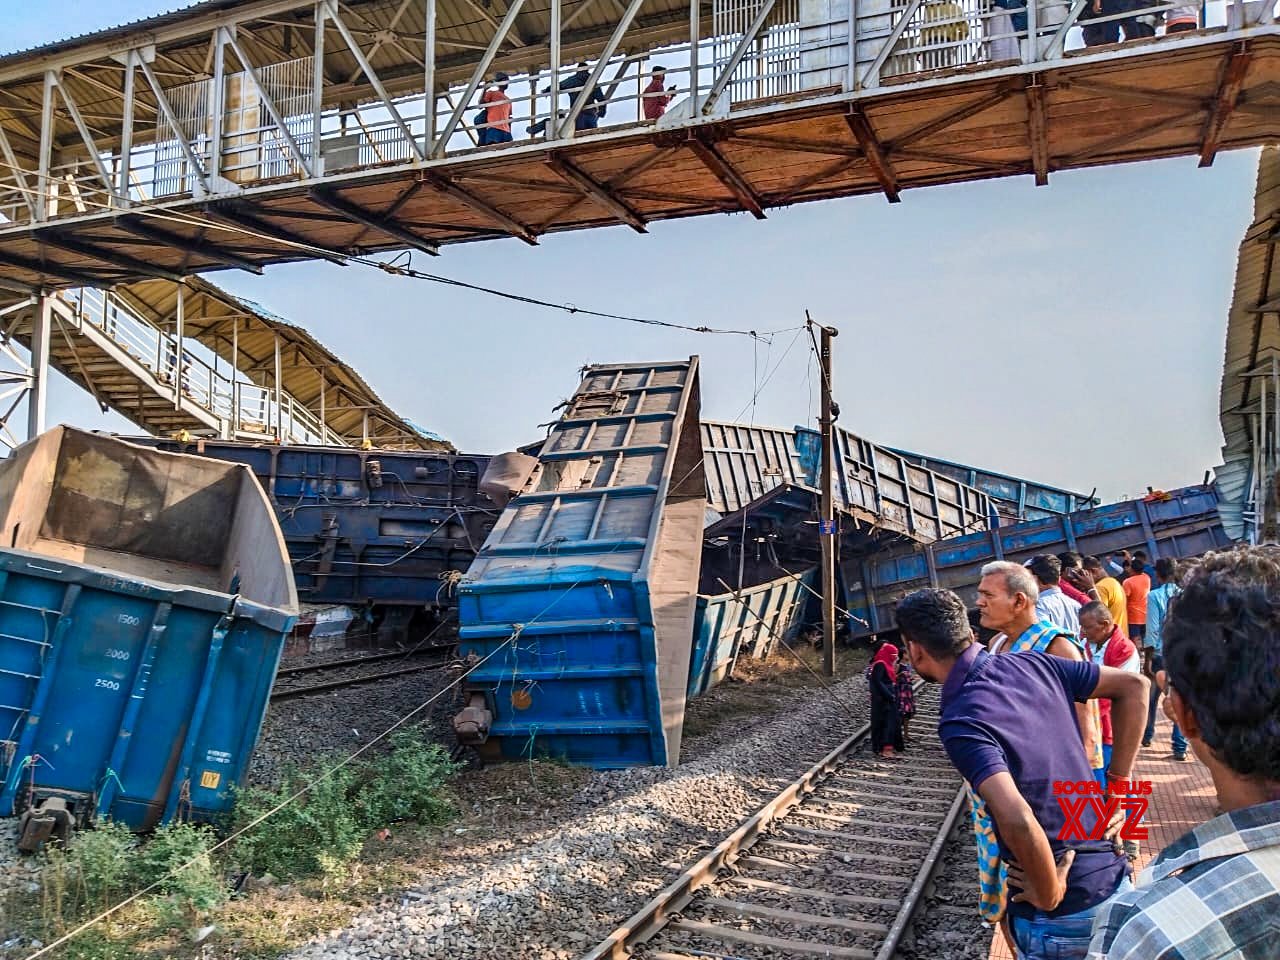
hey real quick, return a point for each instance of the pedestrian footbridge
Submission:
(240, 133)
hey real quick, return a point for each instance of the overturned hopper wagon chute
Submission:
(579, 608)
(144, 599)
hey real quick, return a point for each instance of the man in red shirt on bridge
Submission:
(655, 98)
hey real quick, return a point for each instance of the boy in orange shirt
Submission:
(1136, 587)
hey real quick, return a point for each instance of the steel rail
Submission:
(356, 661)
(915, 895)
(352, 681)
(658, 912)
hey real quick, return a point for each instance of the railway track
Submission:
(351, 672)
(836, 865)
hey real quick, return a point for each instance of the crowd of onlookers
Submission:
(493, 122)
(1080, 651)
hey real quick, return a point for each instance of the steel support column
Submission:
(46, 148)
(555, 64)
(429, 76)
(279, 389)
(178, 333)
(317, 90)
(126, 130)
(695, 39)
(41, 331)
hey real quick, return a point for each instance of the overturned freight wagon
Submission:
(1014, 498)
(737, 624)
(144, 598)
(387, 530)
(758, 581)
(577, 614)
(1181, 523)
(762, 489)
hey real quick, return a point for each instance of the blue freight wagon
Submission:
(762, 492)
(579, 608)
(385, 531)
(874, 486)
(144, 599)
(745, 623)
(1183, 525)
(1013, 497)
(378, 527)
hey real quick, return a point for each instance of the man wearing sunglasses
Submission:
(1215, 892)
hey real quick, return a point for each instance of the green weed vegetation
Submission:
(319, 834)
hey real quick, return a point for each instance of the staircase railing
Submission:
(247, 409)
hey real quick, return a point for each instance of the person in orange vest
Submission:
(494, 119)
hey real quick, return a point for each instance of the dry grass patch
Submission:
(757, 688)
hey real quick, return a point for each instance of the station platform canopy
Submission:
(1251, 373)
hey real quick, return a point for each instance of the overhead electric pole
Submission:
(828, 534)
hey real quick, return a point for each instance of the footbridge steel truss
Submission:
(241, 133)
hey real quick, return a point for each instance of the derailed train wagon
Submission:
(744, 623)
(1014, 498)
(144, 599)
(579, 608)
(384, 528)
(1182, 523)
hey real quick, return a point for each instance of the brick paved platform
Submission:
(1181, 798)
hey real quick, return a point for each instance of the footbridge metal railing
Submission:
(127, 362)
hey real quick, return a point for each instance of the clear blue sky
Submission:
(1071, 333)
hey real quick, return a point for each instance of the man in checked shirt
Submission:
(1214, 894)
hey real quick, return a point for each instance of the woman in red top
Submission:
(886, 724)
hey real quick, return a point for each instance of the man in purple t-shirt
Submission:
(1008, 724)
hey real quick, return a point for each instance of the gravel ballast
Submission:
(555, 891)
